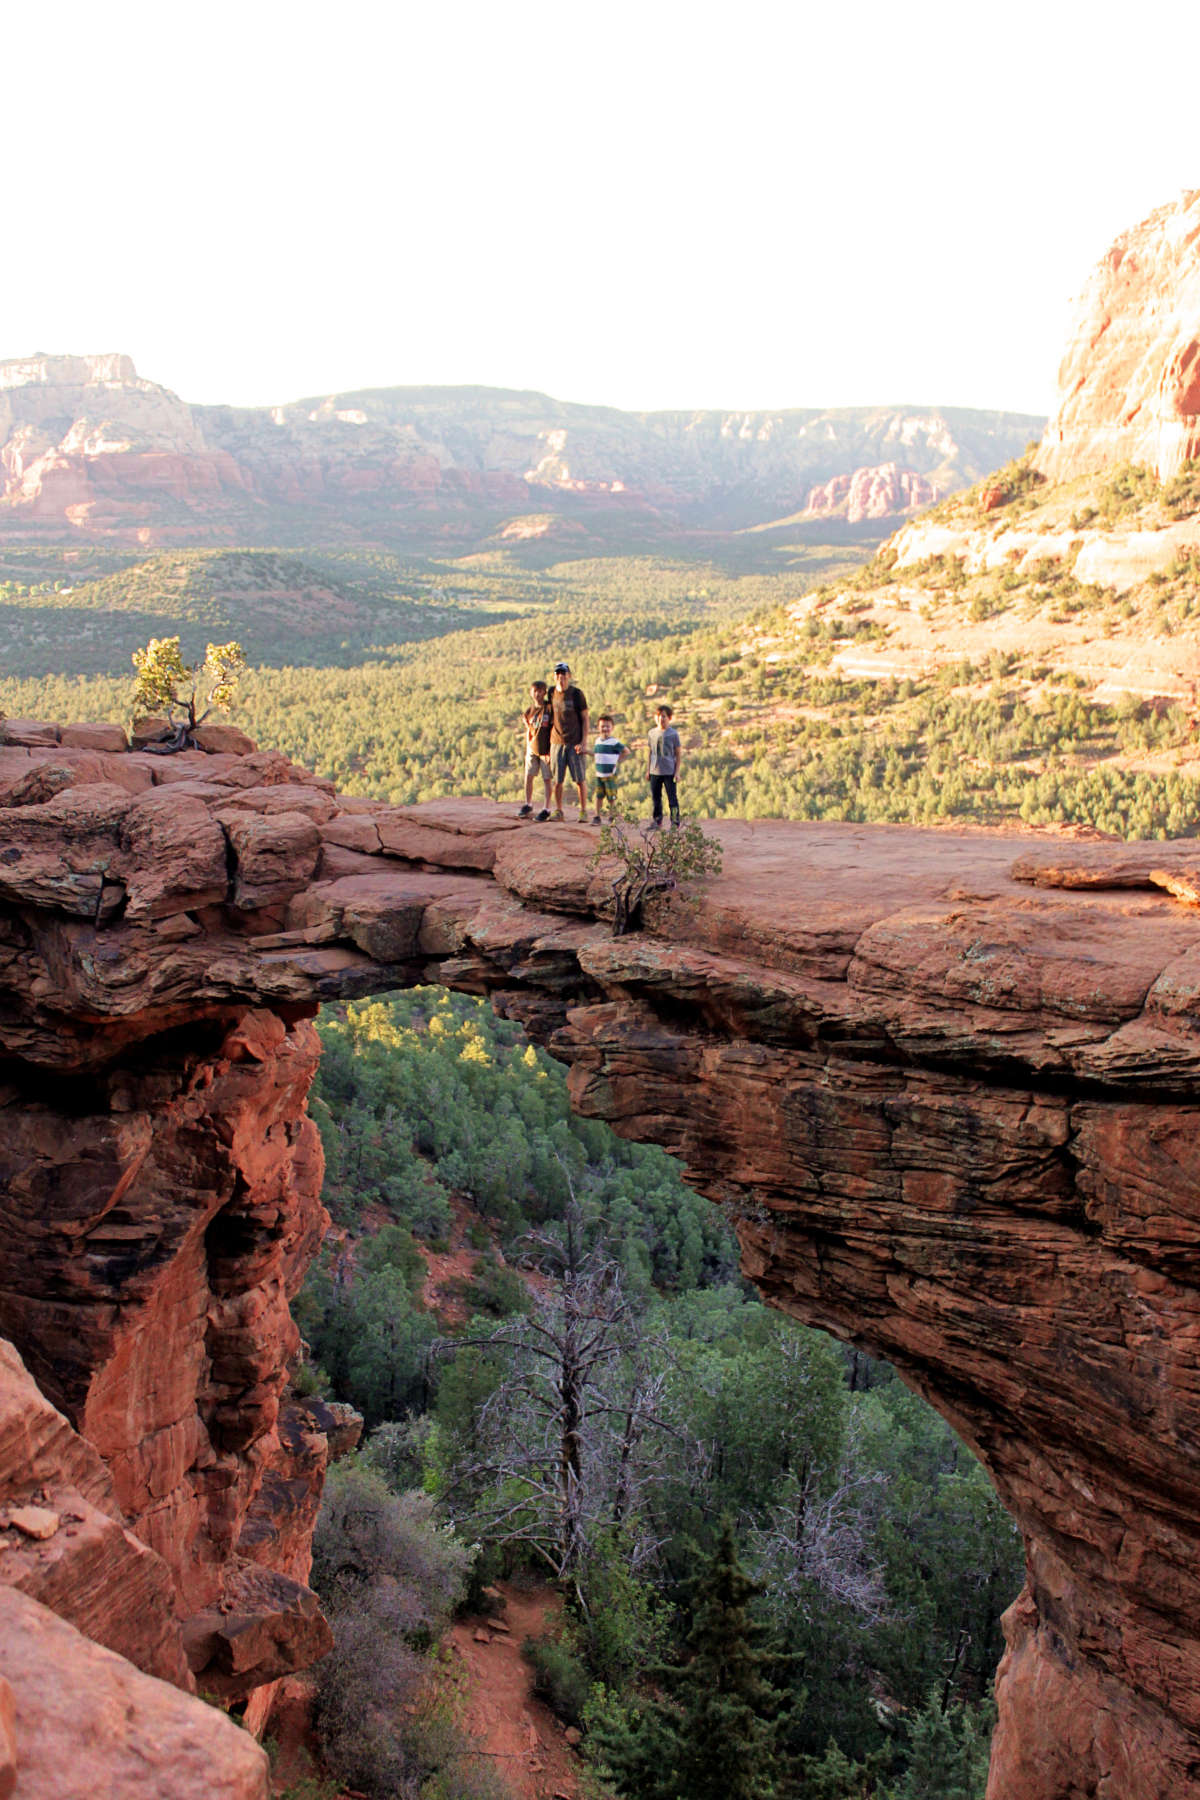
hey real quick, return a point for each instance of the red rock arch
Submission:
(946, 1082)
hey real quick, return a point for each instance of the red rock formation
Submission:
(884, 492)
(127, 441)
(1129, 384)
(83, 1722)
(178, 1209)
(946, 1082)
(82, 1563)
(89, 447)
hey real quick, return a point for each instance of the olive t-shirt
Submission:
(569, 708)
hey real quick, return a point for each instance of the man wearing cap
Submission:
(568, 739)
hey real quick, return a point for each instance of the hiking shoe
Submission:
(583, 818)
(597, 820)
(526, 812)
(542, 816)
(654, 825)
(558, 816)
(676, 822)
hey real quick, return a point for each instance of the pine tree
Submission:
(715, 1737)
(948, 1752)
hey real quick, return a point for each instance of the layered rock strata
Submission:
(945, 1082)
(1129, 384)
(883, 492)
(89, 447)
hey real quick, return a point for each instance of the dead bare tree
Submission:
(820, 1537)
(562, 1448)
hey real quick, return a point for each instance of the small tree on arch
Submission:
(652, 862)
(165, 683)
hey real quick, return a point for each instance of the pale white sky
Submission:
(646, 204)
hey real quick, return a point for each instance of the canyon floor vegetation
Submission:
(561, 1368)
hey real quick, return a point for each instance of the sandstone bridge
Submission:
(945, 1082)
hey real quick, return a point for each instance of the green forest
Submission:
(708, 1432)
(406, 682)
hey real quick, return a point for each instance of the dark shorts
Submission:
(565, 760)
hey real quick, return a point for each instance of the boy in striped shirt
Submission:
(607, 752)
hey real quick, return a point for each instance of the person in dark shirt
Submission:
(568, 738)
(537, 720)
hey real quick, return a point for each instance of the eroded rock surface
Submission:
(1129, 384)
(946, 1082)
(80, 1722)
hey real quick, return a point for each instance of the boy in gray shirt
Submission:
(665, 755)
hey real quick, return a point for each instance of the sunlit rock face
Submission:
(89, 448)
(945, 1082)
(84, 439)
(1129, 384)
(77, 1721)
(884, 492)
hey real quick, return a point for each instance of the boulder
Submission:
(79, 1721)
(172, 857)
(95, 736)
(32, 734)
(149, 730)
(266, 1626)
(216, 738)
(274, 854)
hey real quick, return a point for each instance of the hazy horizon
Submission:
(909, 405)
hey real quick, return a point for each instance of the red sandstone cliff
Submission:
(1129, 384)
(89, 447)
(884, 492)
(83, 437)
(949, 1097)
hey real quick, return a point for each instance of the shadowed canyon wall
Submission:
(946, 1083)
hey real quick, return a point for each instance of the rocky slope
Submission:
(945, 1082)
(89, 448)
(1129, 385)
(1079, 562)
(1092, 582)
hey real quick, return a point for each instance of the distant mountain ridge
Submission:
(87, 446)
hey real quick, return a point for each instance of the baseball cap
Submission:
(562, 668)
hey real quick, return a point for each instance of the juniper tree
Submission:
(651, 862)
(714, 1737)
(165, 680)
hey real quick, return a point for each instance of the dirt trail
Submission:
(524, 1741)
